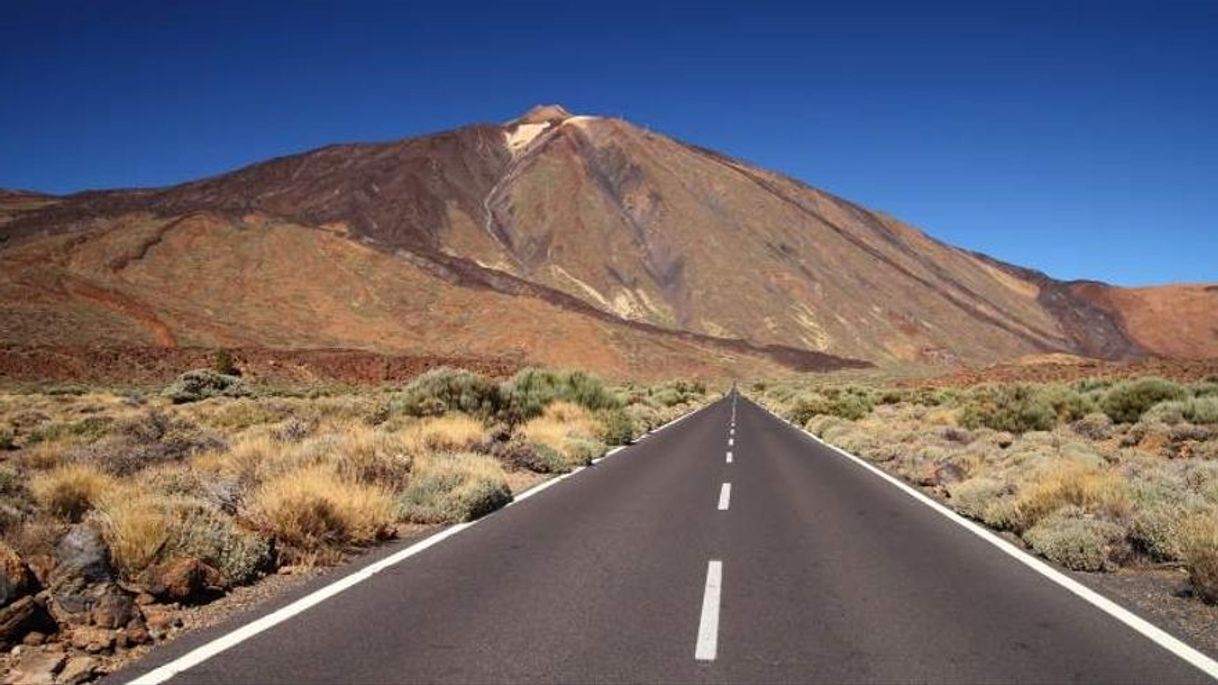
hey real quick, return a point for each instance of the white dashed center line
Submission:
(708, 627)
(725, 496)
(729, 457)
(730, 441)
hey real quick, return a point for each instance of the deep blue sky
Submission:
(1080, 139)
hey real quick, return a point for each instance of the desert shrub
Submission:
(224, 364)
(366, 456)
(84, 430)
(974, 496)
(70, 491)
(1127, 401)
(530, 391)
(1068, 404)
(10, 481)
(1197, 410)
(453, 488)
(851, 404)
(568, 429)
(1094, 426)
(1012, 408)
(447, 389)
(452, 432)
(317, 507)
(519, 454)
(1156, 528)
(644, 416)
(1204, 389)
(201, 384)
(7, 439)
(893, 396)
(1200, 552)
(1072, 538)
(616, 426)
(804, 406)
(144, 529)
(1068, 484)
(146, 440)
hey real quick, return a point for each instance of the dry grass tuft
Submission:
(317, 507)
(71, 491)
(1069, 484)
(451, 432)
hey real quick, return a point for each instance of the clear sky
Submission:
(1076, 138)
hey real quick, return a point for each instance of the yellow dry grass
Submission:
(452, 432)
(561, 420)
(1070, 483)
(317, 506)
(72, 490)
(137, 527)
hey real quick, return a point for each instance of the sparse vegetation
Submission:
(1092, 475)
(201, 384)
(212, 484)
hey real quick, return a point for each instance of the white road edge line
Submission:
(729, 457)
(725, 496)
(229, 640)
(1140, 625)
(707, 647)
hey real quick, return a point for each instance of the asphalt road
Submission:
(826, 573)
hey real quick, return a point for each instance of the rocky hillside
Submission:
(560, 239)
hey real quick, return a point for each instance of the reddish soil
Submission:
(141, 365)
(1179, 370)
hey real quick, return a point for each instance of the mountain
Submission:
(556, 239)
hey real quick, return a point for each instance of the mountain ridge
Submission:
(638, 230)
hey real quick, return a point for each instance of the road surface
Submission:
(674, 561)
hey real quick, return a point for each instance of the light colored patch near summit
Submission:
(518, 138)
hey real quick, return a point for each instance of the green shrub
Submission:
(84, 430)
(447, 389)
(224, 364)
(1198, 410)
(1010, 408)
(529, 392)
(454, 488)
(1067, 404)
(1127, 401)
(617, 428)
(6, 439)
(203, 533)
(1200, 551)
(201, 384)
(974, 496)
(1078, 542)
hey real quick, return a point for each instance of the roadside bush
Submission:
(447, 389)
(453, 488)
(1200, 551)
(616, 426)
(1011, 408)
(975, 496)
(145, 529)
(201, 384)
(70, 491)
(316, 507)
(530, 391)
(1127, 401)
(1077, 541)
(1068, 484)
(7, 439)
(452, 432)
